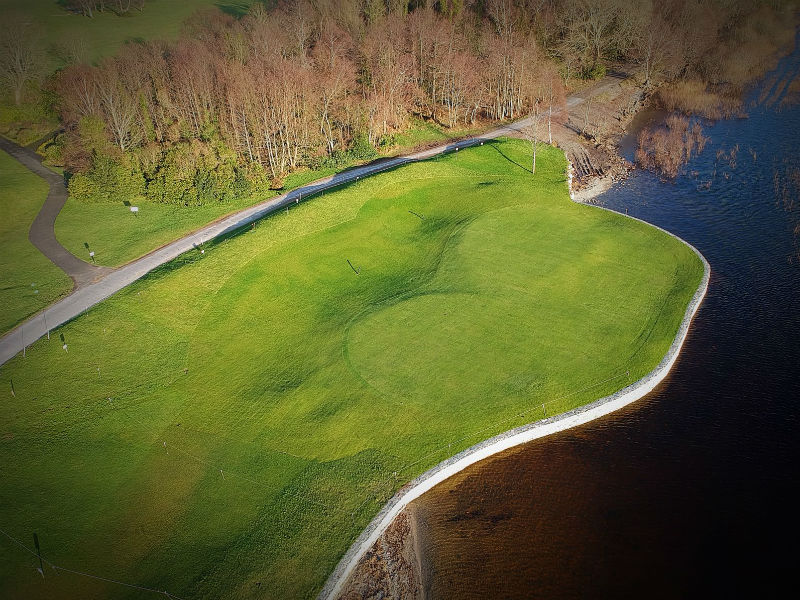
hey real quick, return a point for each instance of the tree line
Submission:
(322, 82)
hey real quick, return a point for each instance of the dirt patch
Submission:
(393, 567)
(590, 129)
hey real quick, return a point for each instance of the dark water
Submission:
(691, 491)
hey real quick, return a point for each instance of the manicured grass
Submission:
(226, 427)
(118, 236)
(29, 280)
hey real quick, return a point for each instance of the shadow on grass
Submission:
(495, 145)
(338, 182)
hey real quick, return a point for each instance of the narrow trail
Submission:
(93, 284)
(42, 232)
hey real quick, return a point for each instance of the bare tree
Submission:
(21, 57)
(118, 104)
(591, 26)
(530, 131)
(653, 43)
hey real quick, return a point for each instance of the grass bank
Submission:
(226, 429)
(29, 280)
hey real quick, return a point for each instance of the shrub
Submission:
(360, 149)
(195, 174)
(108, 180)
(596, 71)
(693, 97)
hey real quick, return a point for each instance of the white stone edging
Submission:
(520, 435)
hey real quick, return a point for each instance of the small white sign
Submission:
(134, 209)
(91, 254)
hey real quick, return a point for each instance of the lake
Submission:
(690, 492)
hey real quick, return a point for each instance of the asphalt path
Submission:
(42, 231)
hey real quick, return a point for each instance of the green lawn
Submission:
(227, 426)
(118, 236)
(29, 280)
(423, 132)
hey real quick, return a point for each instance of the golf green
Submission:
(225, 427)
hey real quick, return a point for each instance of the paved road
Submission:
(42, 232)
(98, 283)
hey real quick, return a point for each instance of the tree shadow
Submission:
(497, 147)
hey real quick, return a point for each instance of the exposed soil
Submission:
(392, 568)
(590, 129)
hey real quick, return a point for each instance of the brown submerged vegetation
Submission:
(786, 181)
(667, 148)
(747, 42)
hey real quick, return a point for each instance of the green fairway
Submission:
(117, 236)
(29, 280)
(227, 426)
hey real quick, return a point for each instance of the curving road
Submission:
(94, 284)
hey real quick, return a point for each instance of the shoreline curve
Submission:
(519, 435)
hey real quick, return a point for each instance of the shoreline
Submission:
(341, 576)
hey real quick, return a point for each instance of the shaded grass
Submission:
(255, 407)
(29, 280)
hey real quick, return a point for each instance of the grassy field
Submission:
(103, 34)
(117, 236)
(29, 280)
(226, 427)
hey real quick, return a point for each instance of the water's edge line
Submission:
(519, 435)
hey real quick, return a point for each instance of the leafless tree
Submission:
(531, 131)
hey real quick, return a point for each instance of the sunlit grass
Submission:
(226, 427)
